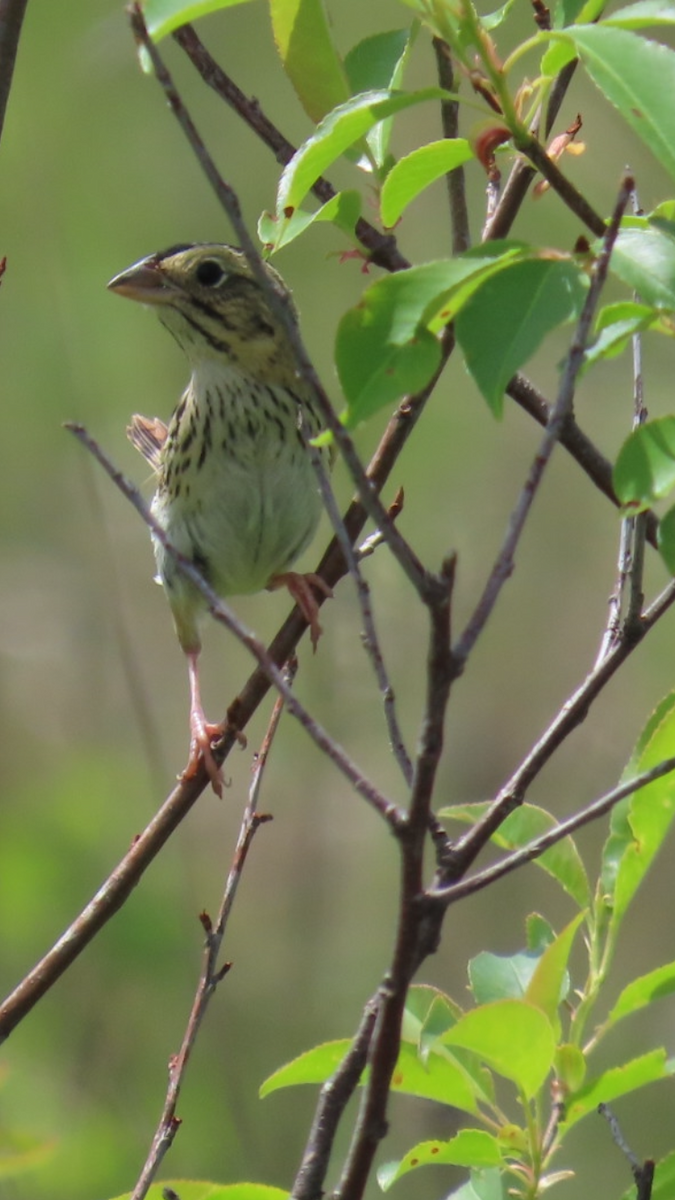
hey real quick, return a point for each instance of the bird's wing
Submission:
(148, 435)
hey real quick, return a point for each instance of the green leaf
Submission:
(524, 825)
(338, 131)
(412, 174)
(507, 318)
(343, 211)
(539, 933)
(384, 347)
(618, 1081)
(379, 62)
(645, 469)
(512, 1037)
(303, 40)
(634, 75)
(570, 1066)
(614, 334)
(640, 823)
(494, 19)
(485, 1184)
(314, 1066)
(163, 16)
(469, 1148)
(442, 1078)
(642, 14)
(499, 976)
(549, 984)
(644, 258)
(643, 991)
(667, 539)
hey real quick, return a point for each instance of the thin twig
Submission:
(575, 201)
(525, 854)
(630, 570)
(504, 563)
(643, 1172)
(579, 446)
(211, 974)
(370, 639)
(455, 180)
(12, 13)
(573, 712)
(226, 616)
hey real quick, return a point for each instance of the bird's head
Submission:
(209, 299)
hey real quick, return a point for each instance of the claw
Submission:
(300, 588)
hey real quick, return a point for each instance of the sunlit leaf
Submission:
(163, 16)
(643, 991)
(617, 1081)
(549, 983)
(422, 167)
(512, 1037)
(441, 1078)
(469, 1148)
(342, 210)
(303, 39)
(339, 130)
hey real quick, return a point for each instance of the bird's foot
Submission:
(202, 735)
(300, 587)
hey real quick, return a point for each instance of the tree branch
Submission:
(12, 13)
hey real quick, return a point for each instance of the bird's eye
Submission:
(209, 273)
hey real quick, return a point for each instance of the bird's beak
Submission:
(145, 282)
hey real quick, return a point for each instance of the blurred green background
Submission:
(94, 173)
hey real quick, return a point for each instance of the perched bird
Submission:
(236, 491)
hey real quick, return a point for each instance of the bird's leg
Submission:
(202, 732)
(300, 587)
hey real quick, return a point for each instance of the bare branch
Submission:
(575, 201)
(456, 183)
(12, 13)
(582, 449)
